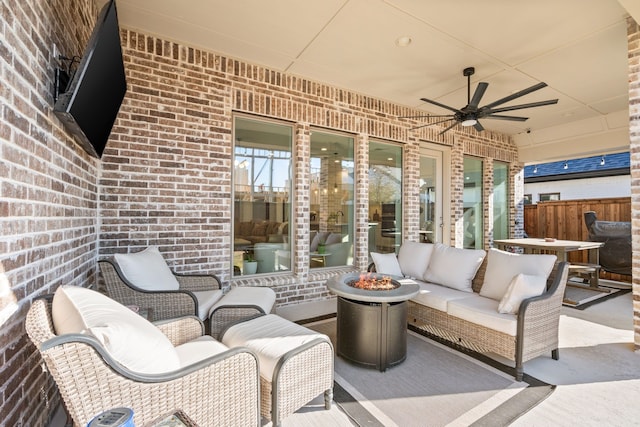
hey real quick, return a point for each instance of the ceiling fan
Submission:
(471, 113)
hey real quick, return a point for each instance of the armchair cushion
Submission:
(129, 338)
(206, 300)
(503, 266)
(147, 270)
(199, 349)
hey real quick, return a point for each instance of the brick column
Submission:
(633, 32)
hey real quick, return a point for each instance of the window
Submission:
(549, 196)
(500, 200)
(261, 189)
(331, 200)
(385, 197)
(429, 193)
(472, 204)
(528, 199)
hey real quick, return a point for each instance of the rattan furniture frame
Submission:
(300, 375)
(163, 304)
(222, 390)
(537, 329)
(246, 302)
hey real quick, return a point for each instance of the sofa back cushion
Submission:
(503, 266)
(453, 267)
(147, 270)
(130, 339)
(413, 258)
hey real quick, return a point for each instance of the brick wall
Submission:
(633, 31)
(166, 172)
(48, 193)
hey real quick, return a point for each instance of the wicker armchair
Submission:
(222, 390)
(159, 304)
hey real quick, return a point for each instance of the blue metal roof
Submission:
(579, 166)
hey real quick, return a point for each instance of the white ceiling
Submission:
(578, 47)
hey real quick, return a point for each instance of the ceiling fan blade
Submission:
(513, 118)
(423, 115)
(517, 95)
(446, 107)
(477, 96)
(478, 127)
(453, 125)
(521, 106)
(434, 123)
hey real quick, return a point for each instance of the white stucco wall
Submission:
(587, 188)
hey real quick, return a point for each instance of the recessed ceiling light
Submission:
(390, 159)
(323, 149)
(403, 41)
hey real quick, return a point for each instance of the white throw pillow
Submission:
(413, 258)
(129, 338)
(147, 270)
(386, 263)
(522, 286)
(454, 267)
(503, 266)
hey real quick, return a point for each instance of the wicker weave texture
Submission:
(224, 393)
(163, 305)
(181, 330)
(224, 316)
(538, 322)
(302, 377)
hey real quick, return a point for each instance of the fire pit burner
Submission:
(374, 282)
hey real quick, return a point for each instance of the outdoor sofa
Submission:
(504, 303)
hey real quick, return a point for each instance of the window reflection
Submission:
(385, 197)
(472, 202)
(261, 189)
(331, 200)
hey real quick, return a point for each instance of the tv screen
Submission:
(91, 101)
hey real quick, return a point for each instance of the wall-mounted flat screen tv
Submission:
(89, 105)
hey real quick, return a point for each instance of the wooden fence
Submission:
(564, 220)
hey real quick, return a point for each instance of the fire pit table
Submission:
(372, 321)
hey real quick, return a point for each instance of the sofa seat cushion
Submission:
(436, 296)
(129, 338)
(199, 349)
(147, 270)
(270, 337)
(483, 311)
(206, 300)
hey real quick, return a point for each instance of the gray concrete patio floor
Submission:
(597, 376)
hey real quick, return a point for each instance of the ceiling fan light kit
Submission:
(470, 114)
